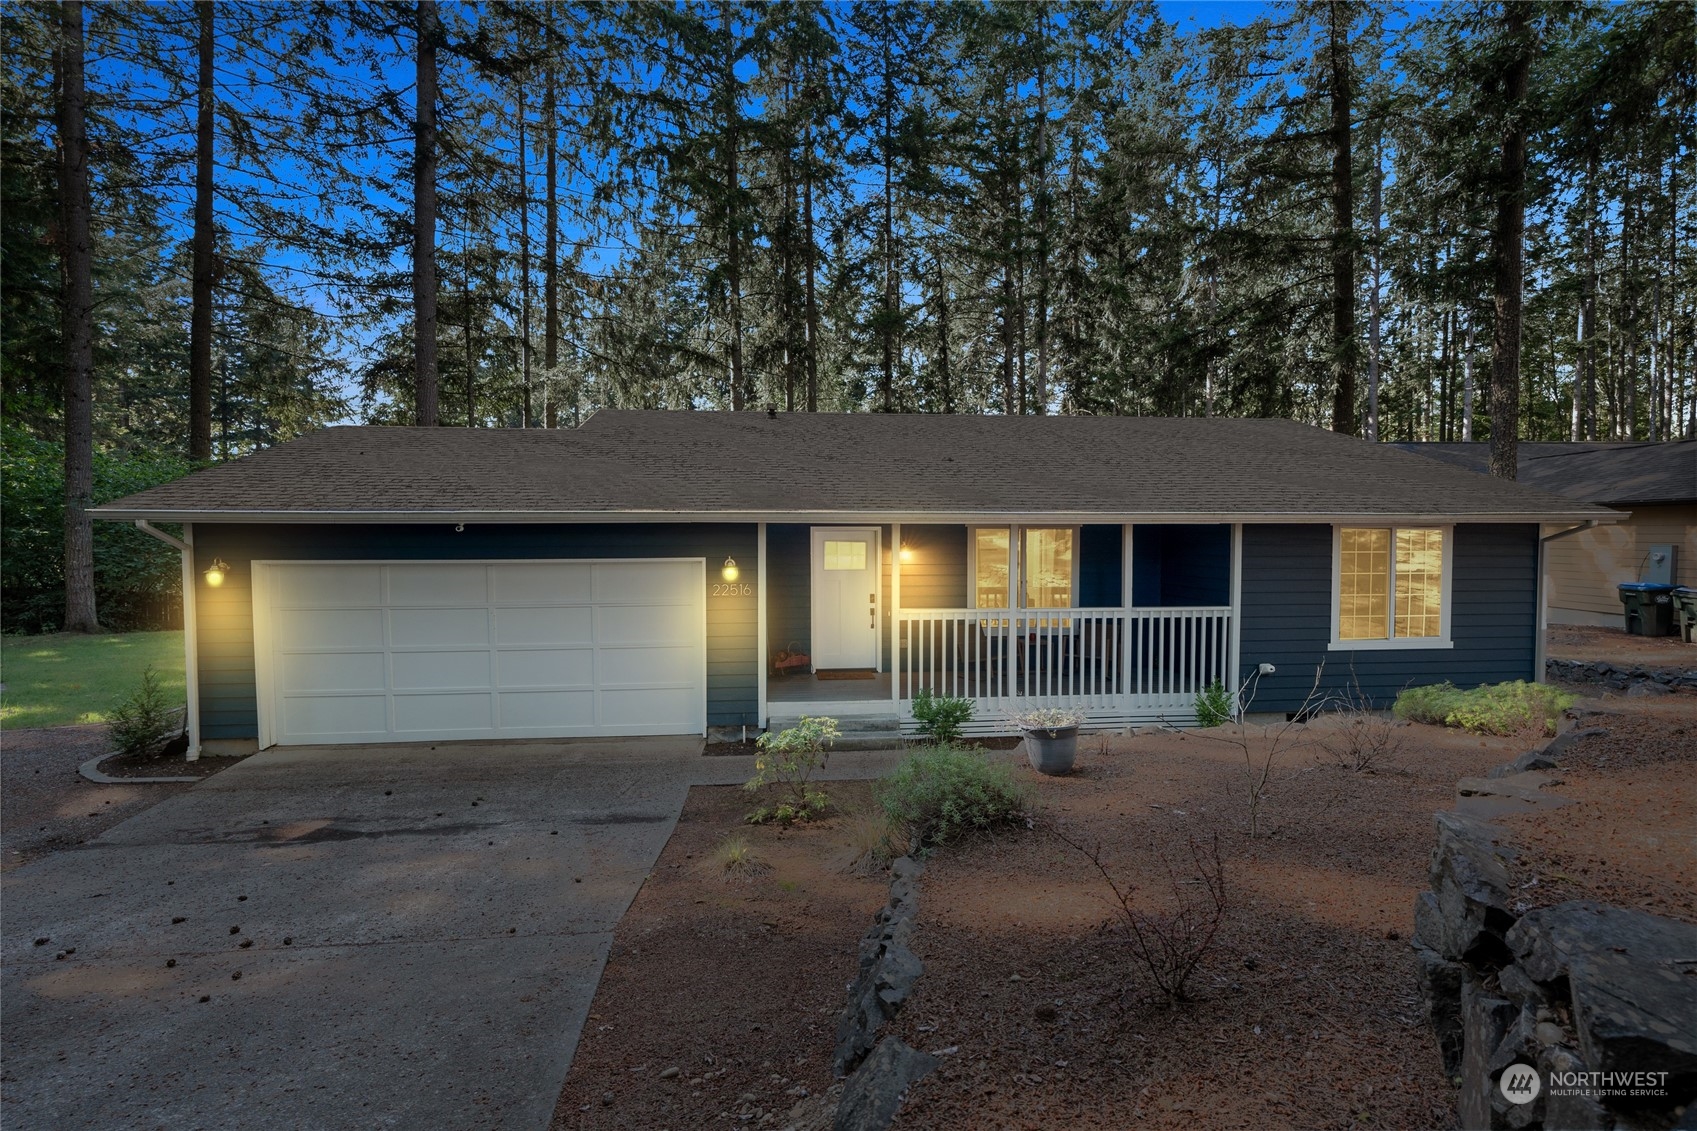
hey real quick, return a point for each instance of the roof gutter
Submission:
(823, 518)
(191, 650)
(1538, 659)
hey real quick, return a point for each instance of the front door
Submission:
(845, 597)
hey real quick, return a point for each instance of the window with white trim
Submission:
(1027, 567)
(1391, 586)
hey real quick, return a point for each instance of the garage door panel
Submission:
(543, 584)
(353, 586)
(333, 671)
(335, 717)
(438, 628)
(413, 651)
(546, 667)
(671, 706)
(439, 713)
(538, 710)
(643, 666)
(420, 671)
(646, 582)
(308, 629)
(438, 585)
(644, 624)
(545, 626)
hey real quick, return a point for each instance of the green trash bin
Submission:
(1649, 608)
(1685, 609)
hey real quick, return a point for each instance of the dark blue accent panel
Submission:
(228, 690)
(1287, 617)
(1100, 578)
(789, 585)
(1177, 566)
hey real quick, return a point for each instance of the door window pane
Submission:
(1419, 582)
(845, 555)
(1364, 584)
(1048, 568)
(990, 581)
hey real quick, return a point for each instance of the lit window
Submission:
(845, 555)
(990, 576)
(1048, 567)
(1390, 583)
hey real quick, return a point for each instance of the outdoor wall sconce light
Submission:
(215, 572)
(906, 554)
(730, 572)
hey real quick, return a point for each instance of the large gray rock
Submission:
(1564, 1109)
(1558, 746)
(1440, 992)
(1629, 974)
(1470, 881)
(875, 1091)
(1485, 1020)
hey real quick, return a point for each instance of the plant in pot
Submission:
(1051, 737)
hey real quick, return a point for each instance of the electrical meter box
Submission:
(1661, 564)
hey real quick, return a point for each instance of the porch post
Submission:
(895, 612)
(1126, 603)
(1234, 674)
(761, 644)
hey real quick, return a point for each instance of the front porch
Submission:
(1010, 617)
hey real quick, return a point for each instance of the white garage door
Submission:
(404, 652)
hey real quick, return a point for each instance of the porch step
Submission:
(859, 732)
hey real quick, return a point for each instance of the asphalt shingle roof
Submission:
(698, 464)
(1595, 472)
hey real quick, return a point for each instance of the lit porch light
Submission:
(215, 572)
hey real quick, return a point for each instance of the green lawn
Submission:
(70, 678)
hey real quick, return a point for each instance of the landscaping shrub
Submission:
(1493, 708)
(940, 718)
(943, 791)
(146, 716)
(1214, 705)
(736, 857)
(874, 841)
(1359, 738)
(788, 760)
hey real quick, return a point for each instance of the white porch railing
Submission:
(1118, 666)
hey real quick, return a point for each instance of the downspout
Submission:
(191, 666)
(1543, 594)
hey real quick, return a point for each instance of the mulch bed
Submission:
(1305, 1013)
(1627, 837)
(166, 761)
(1591, 642)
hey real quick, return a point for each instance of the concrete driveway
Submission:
(369, 937)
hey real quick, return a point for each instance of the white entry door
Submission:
(417, 651)
(845, 596)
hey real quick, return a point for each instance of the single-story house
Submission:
(1656, 483)
(661, 573)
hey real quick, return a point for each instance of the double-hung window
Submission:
(1391, 587)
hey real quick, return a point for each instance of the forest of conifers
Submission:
(1406, 221)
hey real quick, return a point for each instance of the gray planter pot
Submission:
(1052, 751)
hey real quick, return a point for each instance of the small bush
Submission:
(944, 791)
(940, 718)
(1359, 738)
(788, 760)
(873, 840)
(1495, 708)
(144, 718)
(1214, 706)
(736, 857)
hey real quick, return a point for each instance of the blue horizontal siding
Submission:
(229, 695)
(1287, 617)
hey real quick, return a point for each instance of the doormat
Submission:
(847, 673)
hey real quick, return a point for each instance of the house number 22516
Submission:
(732, 589)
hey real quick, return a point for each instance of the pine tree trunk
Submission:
(424, 221)
(524, 266)
(200, 314)
(811, 256)
(1588, 303)
(1041, 203)
(887, 328)
(1507, 239)
(1467, 385)
(551, 251)
(733, 213)
(76, 279)
(943, 369)
(1373, 326)
(1343, 227)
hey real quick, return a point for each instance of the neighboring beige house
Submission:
(1656, 483)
